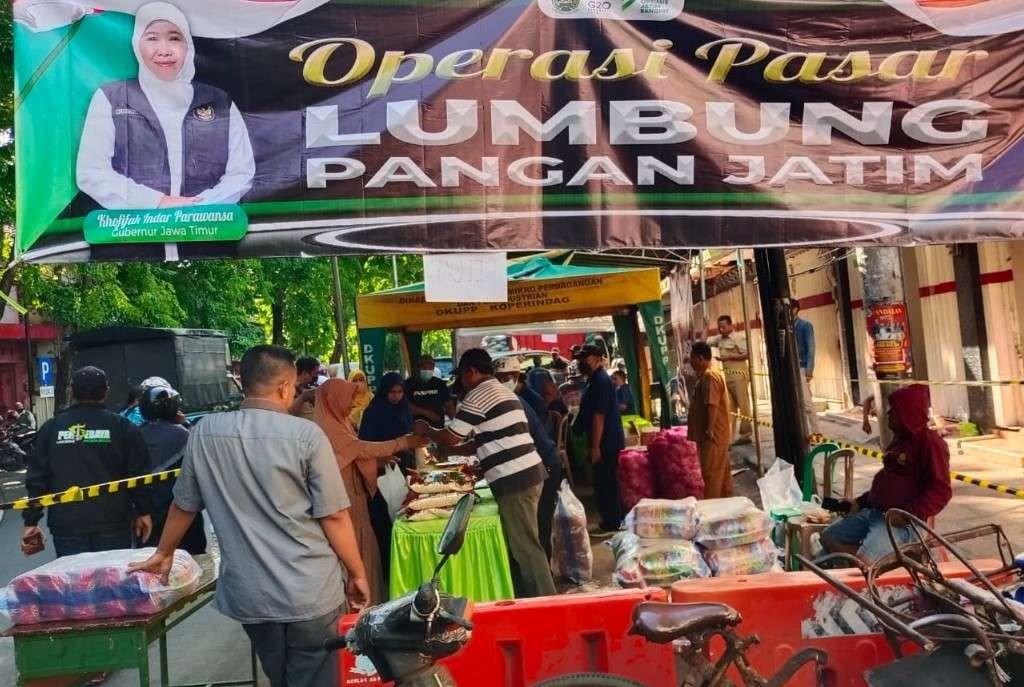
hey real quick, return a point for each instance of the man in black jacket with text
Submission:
(87, 444)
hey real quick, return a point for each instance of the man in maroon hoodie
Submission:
(914, 477)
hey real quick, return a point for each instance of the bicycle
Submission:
(694, 625)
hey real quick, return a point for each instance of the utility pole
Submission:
(339, 314)
(394, 269)
(885, 311)
(788, 422)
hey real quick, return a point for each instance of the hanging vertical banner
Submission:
(194, 128)
(890, 340)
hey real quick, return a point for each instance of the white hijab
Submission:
(165, 96)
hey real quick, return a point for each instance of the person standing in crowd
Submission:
(272, 488)
(387, 417)
(600, 421)
(914, 478)
(358, 462)
(513, 469)
(362, 397)
(803, 332)
(25, 419)
(732, 353)
(710, 423)
(307, 371)
(428, 395)
(165, 439)
(558, 363)
(623, 394)
(88, 444)
(543, 383)
(509, 373)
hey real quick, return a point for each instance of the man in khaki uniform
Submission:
(732, 352)
(710, 424)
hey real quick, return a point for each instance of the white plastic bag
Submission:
(393, 488)
(779, 488)
(97, 585)
(571, 556)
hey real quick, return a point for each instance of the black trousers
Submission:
(606, 490)
(546, 507)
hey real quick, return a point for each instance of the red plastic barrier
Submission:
(794, 610)
(518, 643)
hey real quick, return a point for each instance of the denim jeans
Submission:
(70, 544)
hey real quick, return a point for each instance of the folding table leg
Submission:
(165, 677)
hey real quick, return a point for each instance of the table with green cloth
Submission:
(479, 571)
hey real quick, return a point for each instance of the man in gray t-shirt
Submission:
(272, 488)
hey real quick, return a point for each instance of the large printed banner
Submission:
(285, 127)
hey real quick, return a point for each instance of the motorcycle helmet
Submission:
(151, 382)
(160, 403)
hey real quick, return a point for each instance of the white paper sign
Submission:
(465, 278)
(46, 392)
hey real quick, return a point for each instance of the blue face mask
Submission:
(426, 375)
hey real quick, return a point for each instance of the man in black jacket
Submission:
(87, 444)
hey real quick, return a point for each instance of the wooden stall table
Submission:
(70, 652)
(480, 571)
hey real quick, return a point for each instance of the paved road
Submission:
(207, 647)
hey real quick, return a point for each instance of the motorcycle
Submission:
(16, 447)
(406, 637)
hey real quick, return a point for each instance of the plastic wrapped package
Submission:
(731, 522)
(676, 466)
(571, 557)
(430, 514)
(664, 518)
(655, 562)
(434, 501)
(90, 586)
(750, 559)
(636, 477)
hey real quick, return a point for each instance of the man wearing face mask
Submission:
(495, 418)
(509, 373)
(428, 396)
(599, 419)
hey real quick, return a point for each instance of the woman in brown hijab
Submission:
(358, 461)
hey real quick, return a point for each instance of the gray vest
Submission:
(140, 149)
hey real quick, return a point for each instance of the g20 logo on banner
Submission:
(656, 10)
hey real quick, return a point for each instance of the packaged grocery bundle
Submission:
(664, 518)
(90, 586)
(676, 466)
(636, 477)
(731, 522)
(571, 557)
(654, 562)
(441, 481)
(432, 494)
(749, 559)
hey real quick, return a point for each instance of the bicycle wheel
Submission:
(589, 680)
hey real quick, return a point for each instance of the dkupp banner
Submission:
(284, 127)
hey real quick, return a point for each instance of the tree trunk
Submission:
(277, 314)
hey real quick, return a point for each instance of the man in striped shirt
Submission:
(494, 416)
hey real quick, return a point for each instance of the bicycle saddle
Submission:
(664, 622)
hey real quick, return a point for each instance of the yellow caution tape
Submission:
(901, 382)
(76, 494)
(879, 455)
